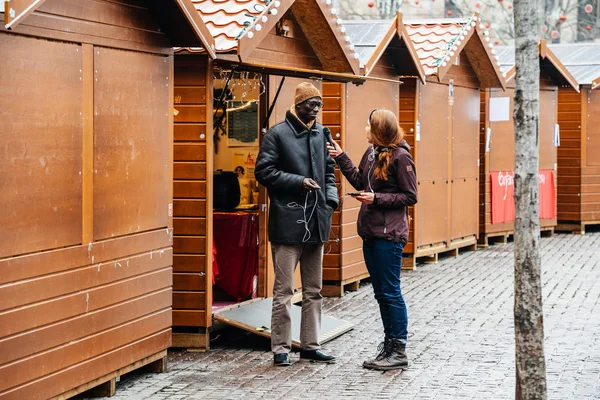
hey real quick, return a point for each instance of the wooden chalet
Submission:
(86, 220)
(579, 151)
(497, 149)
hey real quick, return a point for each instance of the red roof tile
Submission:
(433, 39)
(225, 19)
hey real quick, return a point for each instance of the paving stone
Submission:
(461, 338)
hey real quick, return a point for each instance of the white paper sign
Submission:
(418, 131)
(488, 139)
(556, 135)
(499, 109)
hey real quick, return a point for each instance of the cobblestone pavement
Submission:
(461, 339)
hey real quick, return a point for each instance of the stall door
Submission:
(360, 101)
(593, 128)
(502, 135)
(547, 123)
(465, 169)
(432, 165)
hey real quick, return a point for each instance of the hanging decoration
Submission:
(237, 85)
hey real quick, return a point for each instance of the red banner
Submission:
(503, 197)
(547, 195)
(503, 191)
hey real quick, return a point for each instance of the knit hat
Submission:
(305, 91)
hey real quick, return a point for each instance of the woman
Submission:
(386, 175)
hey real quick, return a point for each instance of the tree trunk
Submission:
(529, 322)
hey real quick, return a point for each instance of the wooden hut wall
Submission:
(346, 110)
(407, 116)
(192, 236)
(571, 119)
(579, 158)
(590, 191)
(446, 154)
(359, 101)
(501, 156)
(85, 261)
(333, 112)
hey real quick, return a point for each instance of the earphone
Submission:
(372, 158)
(305, 221)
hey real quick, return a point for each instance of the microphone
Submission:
(327, 134)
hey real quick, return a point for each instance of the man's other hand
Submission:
(309, 184)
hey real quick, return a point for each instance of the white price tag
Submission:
(488, 139)
(418, 131)
(556, 135)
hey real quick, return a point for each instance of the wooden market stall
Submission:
(85, 224)
(386, 57)
(443, 118)
(579, 151)
(497, 150)
(263, 50)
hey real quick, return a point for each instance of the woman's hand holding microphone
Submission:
(335, 150)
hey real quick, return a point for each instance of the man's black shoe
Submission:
(281, 360)
(316, 356)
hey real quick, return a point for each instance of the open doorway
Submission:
(236, 215)
(242, 267)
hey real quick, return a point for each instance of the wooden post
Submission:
(528, 313)
(87, 173)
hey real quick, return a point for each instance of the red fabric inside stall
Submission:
(236, 243)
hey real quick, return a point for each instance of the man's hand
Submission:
(366, 197)
(309, 184)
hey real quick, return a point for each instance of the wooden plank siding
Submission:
(590, 173)
(332, 113)
(86, 255)
(120, 25)
(190, 286)
(501, 155)
(446, 156)
(570, 119)
(408, 118)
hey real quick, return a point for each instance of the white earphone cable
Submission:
(305, 221)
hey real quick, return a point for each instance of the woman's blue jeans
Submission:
(384, 262)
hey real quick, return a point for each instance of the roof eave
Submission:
(247, 45)
(198, 26)
(352, 62)
(546, 53)
(16, 11)
(380, 49)
(403, 34)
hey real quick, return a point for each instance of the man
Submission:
(295, 167)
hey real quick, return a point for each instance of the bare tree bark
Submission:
(528, 313)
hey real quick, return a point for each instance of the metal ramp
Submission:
(255, 317)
